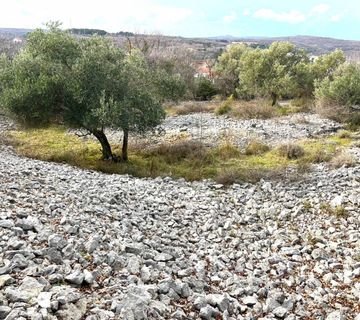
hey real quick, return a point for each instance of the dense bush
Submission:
(338, 95)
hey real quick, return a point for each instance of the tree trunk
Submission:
(274, 98)
(124, 155)
(105, 145)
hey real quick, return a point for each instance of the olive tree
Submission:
(228, 68)
(270, 72)
(88, 83)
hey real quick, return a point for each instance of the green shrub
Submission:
(225, 107)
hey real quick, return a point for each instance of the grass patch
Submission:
(188, 159)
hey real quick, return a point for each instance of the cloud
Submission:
(111, 15)
(230, 18)
(246, 12)
(320, 9)
(293, 16)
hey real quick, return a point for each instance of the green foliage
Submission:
(280, 70)
(228, 67)
(270, 72)
(338, 95)
(205, 89)
(342, 87)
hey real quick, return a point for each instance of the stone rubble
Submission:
(77, 244)
(213, 130)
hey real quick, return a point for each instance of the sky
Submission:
(192, 18)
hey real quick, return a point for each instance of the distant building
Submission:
(17, 40)
(204, 69)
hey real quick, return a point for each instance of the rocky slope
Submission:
(77, 244)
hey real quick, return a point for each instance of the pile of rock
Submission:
(77, 244)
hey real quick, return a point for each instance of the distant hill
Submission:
(210, 47)
(14, 32)
(314, 45)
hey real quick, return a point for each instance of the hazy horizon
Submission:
(237, 18)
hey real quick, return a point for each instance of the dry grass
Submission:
(229, 176)
(338, 211)
(303, 104)
(254, 109)
(189, 107)
(343, 159)
(332, 111)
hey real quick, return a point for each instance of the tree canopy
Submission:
(281, 70)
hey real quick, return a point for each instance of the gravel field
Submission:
(77, 244)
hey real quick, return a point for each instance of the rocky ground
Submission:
(213, 130)
(77, 244)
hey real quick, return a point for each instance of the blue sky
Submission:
(333, 18)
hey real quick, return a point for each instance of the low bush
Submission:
(205, 89)
(331, 110)
(354, 120)
(291, 151)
